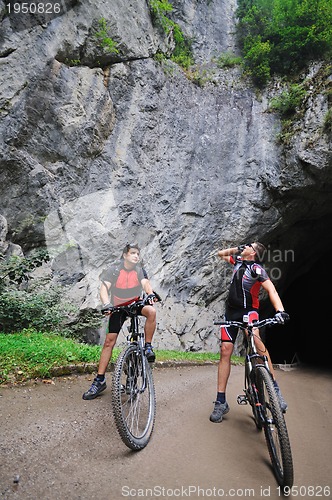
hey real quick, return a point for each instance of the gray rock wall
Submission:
(99, 149)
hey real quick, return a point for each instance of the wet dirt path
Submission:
(55, 446)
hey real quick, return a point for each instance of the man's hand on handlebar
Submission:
(152, 298)
(107, 308)
(281, 317)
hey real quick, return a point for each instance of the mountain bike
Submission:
(133, 392)
(260, 393)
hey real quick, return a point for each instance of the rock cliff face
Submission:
(102, 148)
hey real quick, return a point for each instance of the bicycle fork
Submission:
(143, 367)
(138, 363)
(137, 371)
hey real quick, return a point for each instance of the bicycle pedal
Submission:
(242, 400)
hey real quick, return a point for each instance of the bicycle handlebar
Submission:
(129, 307)
(244, 325)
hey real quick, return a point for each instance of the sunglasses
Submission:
(132, 245)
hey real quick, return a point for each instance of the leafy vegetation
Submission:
(16, 269)
(33, 354)
(21, 309)
(28, 303)
(181, 54)
(289, 100)
(283, 36)
(160, 10)
(105, 40)
(328, 122)
(200, 76)
(228, 60)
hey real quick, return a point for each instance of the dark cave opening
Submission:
(304, 338)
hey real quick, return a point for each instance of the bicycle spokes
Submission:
(133, 398)
(275, 429)
(134, 381)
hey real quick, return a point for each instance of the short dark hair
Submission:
(129, 246)
(260, 251)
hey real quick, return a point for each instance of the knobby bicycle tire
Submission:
(275, 429)
(134, 407)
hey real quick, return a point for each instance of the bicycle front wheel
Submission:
(133, 398)
(275, 429)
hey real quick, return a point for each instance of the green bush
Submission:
(289, 100)
(257, 59)
(182, 53)
(15, 269)
(283, 36)
(228, 60)
(159, 9)
(22, 309)
(28, 303)
(104, 39)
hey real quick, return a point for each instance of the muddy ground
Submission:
(55, 446)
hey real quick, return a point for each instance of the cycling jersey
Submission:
(246, 283)
(126, 283)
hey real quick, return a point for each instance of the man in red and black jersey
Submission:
(249, 276)
(124, 283)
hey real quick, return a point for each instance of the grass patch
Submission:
(31, 354)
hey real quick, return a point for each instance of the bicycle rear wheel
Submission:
(133, 398)
(275, 429)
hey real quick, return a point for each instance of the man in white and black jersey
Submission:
(249, 276)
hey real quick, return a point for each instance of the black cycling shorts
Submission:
(118, 318)
(229, 333)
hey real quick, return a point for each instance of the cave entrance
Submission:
(308, 301)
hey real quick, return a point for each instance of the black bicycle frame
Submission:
(252, 354)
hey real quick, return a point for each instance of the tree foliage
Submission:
(283, 36)
(22, 304)
(16, 269)
(289, 100)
